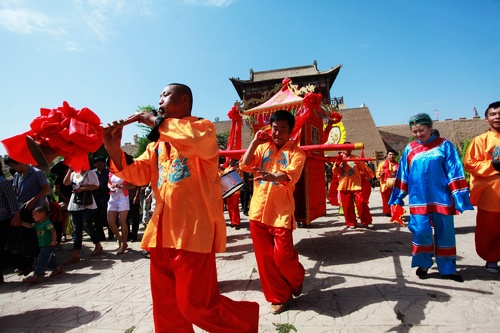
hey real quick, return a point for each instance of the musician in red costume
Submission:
(386, 172)
(333, 191)
(187, 226)
(350, 175)
(233, 201)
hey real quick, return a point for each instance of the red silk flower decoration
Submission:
(71, 133)
(336, 117)
(285, 83)
(234, 113)
(312, 100)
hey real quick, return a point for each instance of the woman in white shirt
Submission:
(118, 206)
(82, 214)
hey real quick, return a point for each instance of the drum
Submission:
(390, 182)
(231, 182)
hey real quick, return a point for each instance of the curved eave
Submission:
(330, 74)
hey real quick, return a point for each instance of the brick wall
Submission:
(455, 130)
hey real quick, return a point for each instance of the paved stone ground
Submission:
(356, 281)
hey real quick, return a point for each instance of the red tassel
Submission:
(397, 213)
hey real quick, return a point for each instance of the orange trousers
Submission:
(487, 236)
(185, 291)
(280, 271)
(233, 208)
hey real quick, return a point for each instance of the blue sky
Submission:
(112, 56)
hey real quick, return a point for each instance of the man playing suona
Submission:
(187, 226)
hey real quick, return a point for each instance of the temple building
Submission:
(358, 122)
(262, 85)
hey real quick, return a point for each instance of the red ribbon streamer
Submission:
(234, 140)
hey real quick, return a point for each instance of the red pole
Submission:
(345, 146)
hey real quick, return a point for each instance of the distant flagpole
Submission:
(437, 114)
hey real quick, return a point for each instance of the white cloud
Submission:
(25, 21)
(99, 14)
(210, 3)
(73, 47)
(83, 20)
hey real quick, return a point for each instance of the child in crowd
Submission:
(56, 217)
(47, 241)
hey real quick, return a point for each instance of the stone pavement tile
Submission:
(145, 326)
(356, 281)
(116, 292)
(121, 316)
(46, 317)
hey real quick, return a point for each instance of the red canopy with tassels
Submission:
(258, 117)
(310, 118)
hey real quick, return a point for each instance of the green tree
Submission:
(462, 149)
(222, 140)
(143, 141)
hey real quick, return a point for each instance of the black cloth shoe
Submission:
(421, 273)
(455, 277)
